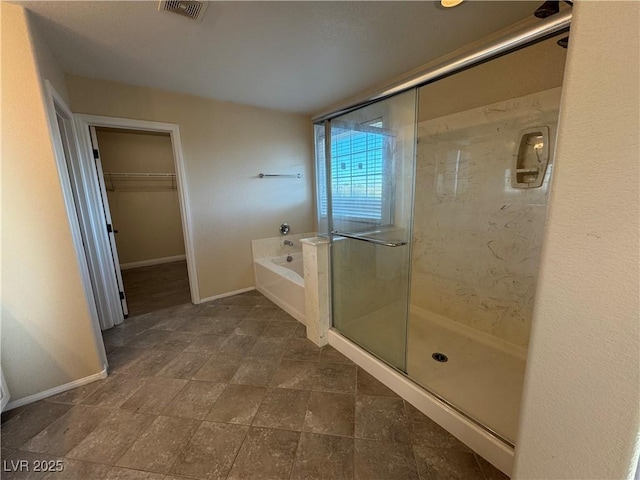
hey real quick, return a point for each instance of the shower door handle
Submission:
(362, 238)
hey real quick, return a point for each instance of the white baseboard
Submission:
(480, 441)
(56, 390)
(152, 261)
(228, 294)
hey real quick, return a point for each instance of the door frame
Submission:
(84, 121)
(55, 105)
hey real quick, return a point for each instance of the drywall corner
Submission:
(580, 415)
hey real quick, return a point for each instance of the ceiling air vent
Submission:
(187, 8)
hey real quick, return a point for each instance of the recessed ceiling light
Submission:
(450, 3)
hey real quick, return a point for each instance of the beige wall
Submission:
(225, 147)
(532, 69)
(47, 334)
(146, 212)
(580, 416)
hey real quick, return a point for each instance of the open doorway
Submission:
(142, 206)
(136, 153)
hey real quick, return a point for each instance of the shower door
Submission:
(369, 205)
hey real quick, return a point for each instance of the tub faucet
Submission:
(288, 242)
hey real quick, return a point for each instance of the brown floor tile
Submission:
(159, 446)
(77, 470)
(282, 316)
(195, 400)
(117, 337)
(255, 371)
(115, 390)
(384, 461)
(207, 344)
(238, 345)
(269, 347)
(177, 341)
(328, 354)
(224, 326)
(283, 408)
(236, 311)
(139, 323)
(76, 395)
(30, 421)
(490, 472)
(154, 395)
(427, 433)
(211, 310)
(180, 310)
(148, 339)
(246, 300)
(279, 329)
(183, 365)
(444, 464)
(122, 357)
(149, 363)
(323, 457)
(296, 375)
(119, 473)
(330, 413)
(218, 369)
(335, 377)
(199, 325)
(6, 453)
(368, 385)
(108, 442)
(266, 454)
(251, 326)
(171, 324)
(383, 419)
(156, 287)
(300, 331)
(303, 350)
(263, 313)
(237, 404)
(67, 432)
(211, 451)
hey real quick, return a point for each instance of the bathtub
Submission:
(282, 282)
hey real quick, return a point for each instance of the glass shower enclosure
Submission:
(434, 200)
(369, 206)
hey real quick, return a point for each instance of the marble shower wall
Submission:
(477, 240)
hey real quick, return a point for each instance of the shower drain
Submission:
(439, 357)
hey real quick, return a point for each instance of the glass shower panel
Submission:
(370, 178)
(484, 162)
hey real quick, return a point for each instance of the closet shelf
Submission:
(116, 181)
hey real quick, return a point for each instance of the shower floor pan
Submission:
(482, 376)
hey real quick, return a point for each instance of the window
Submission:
(360, 173)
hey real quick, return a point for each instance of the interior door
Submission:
(108, 222)
(370, 179)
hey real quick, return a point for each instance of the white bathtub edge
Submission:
(280, 270)
(480, 441)
(300, 316)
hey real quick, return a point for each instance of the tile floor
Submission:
(156, 287)
(230, 389)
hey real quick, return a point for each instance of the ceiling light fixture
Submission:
(450, 3)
